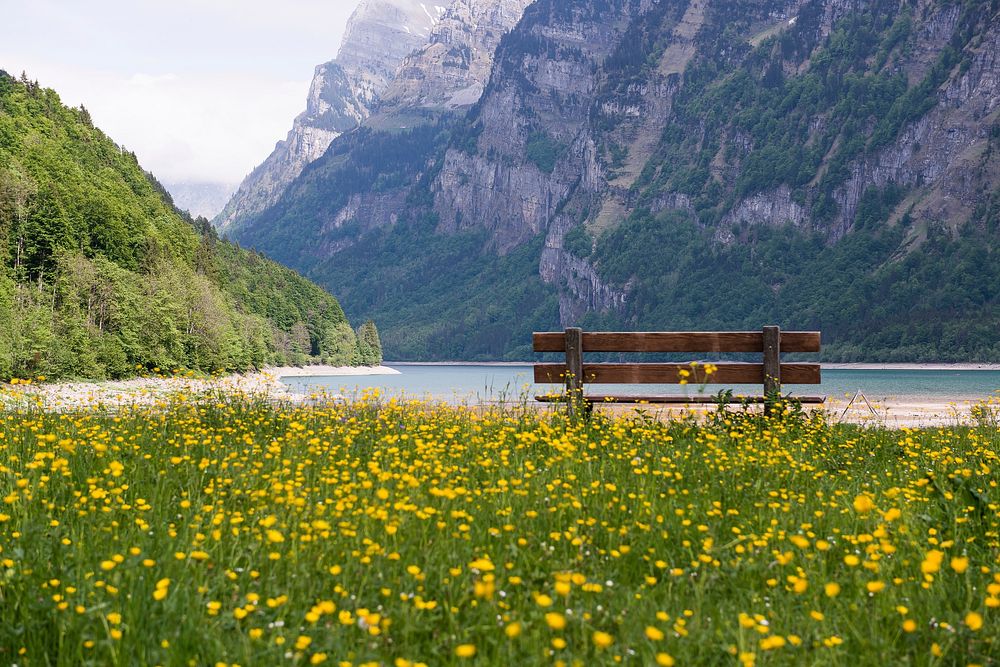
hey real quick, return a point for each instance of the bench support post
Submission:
(772, 367)
(574, 373)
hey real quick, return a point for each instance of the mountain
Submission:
(200, 198)
(827, 164)
(101, 276)
(379, 34)
(450, 71)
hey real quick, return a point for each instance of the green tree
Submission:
(369, 345)
(340, 345)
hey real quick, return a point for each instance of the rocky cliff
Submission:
(682, 163)
(369, 175)
(343, 92)
(450, 71)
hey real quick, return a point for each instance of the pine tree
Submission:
(369, 345)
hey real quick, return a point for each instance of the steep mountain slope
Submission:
(364, 179)
(101, 275)
(343, 92)
(685, 163)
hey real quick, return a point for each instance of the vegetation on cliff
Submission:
(885, 276)
(835, 169)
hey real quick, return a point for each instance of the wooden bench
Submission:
(770, 342)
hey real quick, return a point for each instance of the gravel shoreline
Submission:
(141, 391)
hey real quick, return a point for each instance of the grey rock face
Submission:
(541, 100)
(379, 35)
(582, 290)
(446, 75)
(368, 210)
(343, 92)
(450, 71)
(538, 101)
(941, 150)
(767, 208)
(555, 91)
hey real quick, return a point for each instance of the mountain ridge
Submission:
(342, 94)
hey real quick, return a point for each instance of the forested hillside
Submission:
(101, 277)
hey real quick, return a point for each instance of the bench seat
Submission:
(676, 400)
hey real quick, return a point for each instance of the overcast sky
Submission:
(199, 89)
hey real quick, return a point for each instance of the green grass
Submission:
(384, 533)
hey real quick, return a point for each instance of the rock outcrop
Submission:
(441, 79)
(947, 152)
(450, 71)
(532, 145)
(379, 35)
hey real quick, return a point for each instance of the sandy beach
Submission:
(904, 412)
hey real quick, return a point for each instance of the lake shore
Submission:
(891, 412)
(847, 366)
(887, 413)
(327, 371)
(109, 394)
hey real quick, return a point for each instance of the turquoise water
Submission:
(472, 383)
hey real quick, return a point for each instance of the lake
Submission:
(475, 382)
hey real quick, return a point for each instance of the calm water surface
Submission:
(470, 383)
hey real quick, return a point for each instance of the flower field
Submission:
(232, 531)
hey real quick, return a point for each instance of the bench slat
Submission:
(727, 373)
(678, 341)
(679, 400)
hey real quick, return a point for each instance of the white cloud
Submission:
(198, 89)
(151, 80)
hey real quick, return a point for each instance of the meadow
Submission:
(228, 530)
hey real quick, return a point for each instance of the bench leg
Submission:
(574, 378)
(772, 367)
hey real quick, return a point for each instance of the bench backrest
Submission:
(770, 342)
